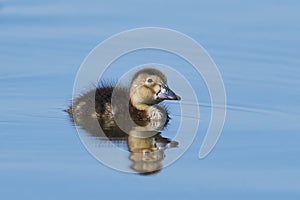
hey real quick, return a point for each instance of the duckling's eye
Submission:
(149, 80)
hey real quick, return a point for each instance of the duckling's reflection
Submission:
(145, 143)
(147, 153)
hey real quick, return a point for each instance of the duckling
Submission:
(148, 88)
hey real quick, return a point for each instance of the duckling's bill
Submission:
(165, 93)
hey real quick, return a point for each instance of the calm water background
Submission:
(256, 46)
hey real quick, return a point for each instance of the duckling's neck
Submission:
(141, 106)
(153, 112)
(139, 103)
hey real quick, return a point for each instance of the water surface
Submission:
(254, 44)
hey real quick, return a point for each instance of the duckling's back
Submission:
(82, 107)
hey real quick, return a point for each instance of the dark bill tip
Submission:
(166, 93)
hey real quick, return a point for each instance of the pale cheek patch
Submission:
(156, 88)
(146, 93)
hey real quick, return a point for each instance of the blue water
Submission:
(256, 46)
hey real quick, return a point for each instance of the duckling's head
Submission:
(149, 87)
